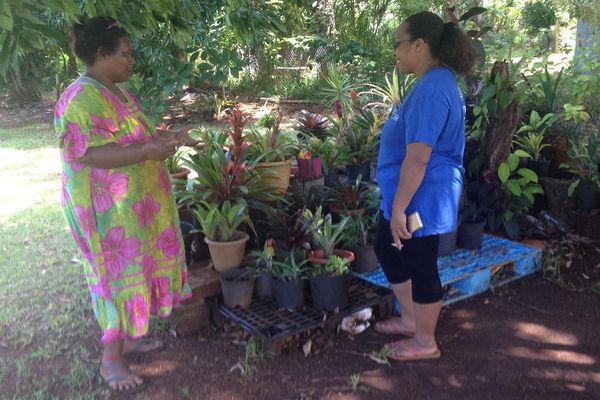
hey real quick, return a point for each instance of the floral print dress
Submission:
(124, 220)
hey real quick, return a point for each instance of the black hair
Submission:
(96, 33)
(448, 43)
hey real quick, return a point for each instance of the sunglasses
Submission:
(397, 43)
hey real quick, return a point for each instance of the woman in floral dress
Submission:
(116, 196)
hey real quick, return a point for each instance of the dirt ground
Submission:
(531, 340)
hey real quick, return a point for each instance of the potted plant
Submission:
(237, 285)
(263, 270)
(356, 237)
(329, 283)
(289, 280)
(219, 224)
(530, 138)
(325, 236)
(272, 153)
(584, 165)
(350, 198)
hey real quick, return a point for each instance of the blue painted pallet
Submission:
(466, 273)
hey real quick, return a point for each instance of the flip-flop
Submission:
(396, 356)
(385, 328)
(156, 345)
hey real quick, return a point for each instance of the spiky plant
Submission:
(312, 124)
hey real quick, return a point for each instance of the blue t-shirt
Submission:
(433, 113)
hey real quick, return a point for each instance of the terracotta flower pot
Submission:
(279, 179)
(318, 256)
(228, 255)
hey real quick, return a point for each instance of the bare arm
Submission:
(412, 173)
(115, 155)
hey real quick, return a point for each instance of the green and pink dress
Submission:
(125, 219)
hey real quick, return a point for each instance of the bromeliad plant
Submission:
(220, 223)
(293, 267)
(336, 266)
(325, 234)
(392, 93)
(352, 196)
(312, 125)
(530, 137)
(584, 162)
(273, 146)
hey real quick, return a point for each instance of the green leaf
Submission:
(508, 215)
(572, 187)
(6, 22)
(503, 172)
(505, 99)
(522, 154)
(513, 162)
(488, 93)
(528, 174)
(48, 32)
(5, 54)
(514, 187)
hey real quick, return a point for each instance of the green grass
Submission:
(46, 316)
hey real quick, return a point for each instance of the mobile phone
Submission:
(414, 222)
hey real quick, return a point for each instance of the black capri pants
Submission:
(416, 261)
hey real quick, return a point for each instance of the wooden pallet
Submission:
(466, 273)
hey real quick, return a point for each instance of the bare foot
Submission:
(412, 349)
(118, 376)
(141, 346)
(396, 326)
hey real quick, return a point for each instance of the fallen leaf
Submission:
(585, 276)
(237, 366)
(377, 359)
(307, 347)
(568, 263)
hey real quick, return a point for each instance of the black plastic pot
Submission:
(328, 292)
(237, 285)
(188, 237)
(470, 234)
(365, 261)
(263, 286)
(540, 167)
(587, 196)
(289, 294)
(200, 251)
(353, 170)
(447, 243)
(332, 179)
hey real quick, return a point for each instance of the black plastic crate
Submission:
(268, 322)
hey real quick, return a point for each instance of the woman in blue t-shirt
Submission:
(420, 170)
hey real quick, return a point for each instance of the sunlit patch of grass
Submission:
(46, 314)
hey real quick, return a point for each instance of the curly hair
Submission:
(96, 33)
(447, 42)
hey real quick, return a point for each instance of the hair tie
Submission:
(113, 25)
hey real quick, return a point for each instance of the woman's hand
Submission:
(160, 147)
(399, 228)
(182, 136)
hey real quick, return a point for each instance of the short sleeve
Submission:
(426, 118)
(83, 119)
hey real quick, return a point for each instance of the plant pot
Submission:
(587, 196)
(263, 286)
(556, 192)
(470, 234)
(181, 173)
(366, 260)
(318, 256)
(354, 170)
(447, 243)
(330, 292)
(540, 167)
(228, 255)
(332, 179)
(188, 237)
(237, 285)
(289, 294)
(305, 187)
(310, 169)
(277, 179)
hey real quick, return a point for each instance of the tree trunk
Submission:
(504, 124)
